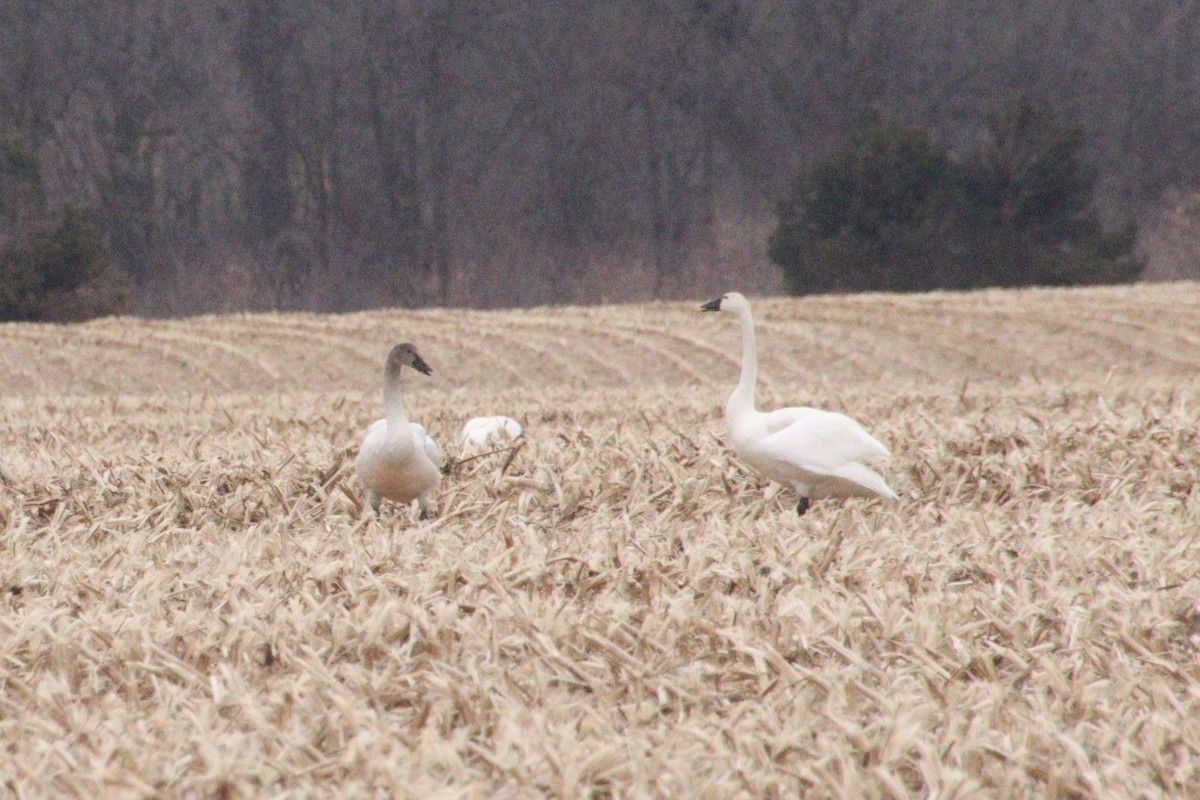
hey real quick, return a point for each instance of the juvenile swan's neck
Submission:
(743, 396)
(393, 406)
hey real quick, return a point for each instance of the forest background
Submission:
(244, 155)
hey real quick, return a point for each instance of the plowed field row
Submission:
(1046, 335)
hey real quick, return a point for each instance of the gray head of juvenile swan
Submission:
(406, 355)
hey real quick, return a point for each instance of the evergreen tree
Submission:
(1026, 212)
(52, 266)
(863, 217)
(889, 209)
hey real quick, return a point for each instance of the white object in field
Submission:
(6, 475)
(398, 460)
(817, 453)
(482, 430)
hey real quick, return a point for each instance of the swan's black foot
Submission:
(424, 515)
(802, 506)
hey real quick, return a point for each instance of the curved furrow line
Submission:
(349, 329)
(176, 336)
(981, 352)
(14, 376)
(1175, 324)
(773, 359)
(680, 363)
(849, 319)
(606, 330)
(768, 355)
(1161, 330)
(693, 344)
(1176, 307)
(1174, 300)
(1045, 350)
(414, 323)
(493, 326)
(1164, 321)
(130, 339)
(845, 360)
(1094, 330)
(866, 353)
(46, 336)
(344, 338)
(36, 342)
(545, 351)
(1037, 337)
(23, 331)
(545, 328)
(331, 369)
(80, 367)
(994, 351)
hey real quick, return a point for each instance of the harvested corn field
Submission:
(194, 603)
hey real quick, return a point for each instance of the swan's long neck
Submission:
(393, 406)
(743, 396)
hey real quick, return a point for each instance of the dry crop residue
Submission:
(193, 605)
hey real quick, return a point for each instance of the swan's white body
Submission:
(482, 430)
(817, 453)
(398, 460)
(421, 437)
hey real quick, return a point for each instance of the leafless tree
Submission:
(338, 155)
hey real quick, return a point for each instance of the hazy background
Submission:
(271, 154)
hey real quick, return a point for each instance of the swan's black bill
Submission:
(420, 366)
(712, 305)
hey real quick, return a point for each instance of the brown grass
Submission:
(193, 606)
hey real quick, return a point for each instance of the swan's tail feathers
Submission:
(866, 478)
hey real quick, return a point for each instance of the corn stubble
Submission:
(195, 604)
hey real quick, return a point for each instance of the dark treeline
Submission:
(263, 153)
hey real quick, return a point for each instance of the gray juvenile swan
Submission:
(817, 453)
(398, 460)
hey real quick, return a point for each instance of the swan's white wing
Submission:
(422, 438)
(376, 434)
(780, 418)
(825, 439)
(431, 449)
(822, 454)
(821, 442)
(862, 475)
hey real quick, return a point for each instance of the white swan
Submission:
(398, 460)
(481, 430)
(817, 453)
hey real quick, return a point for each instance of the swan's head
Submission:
(730, 301)
(405, 355)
